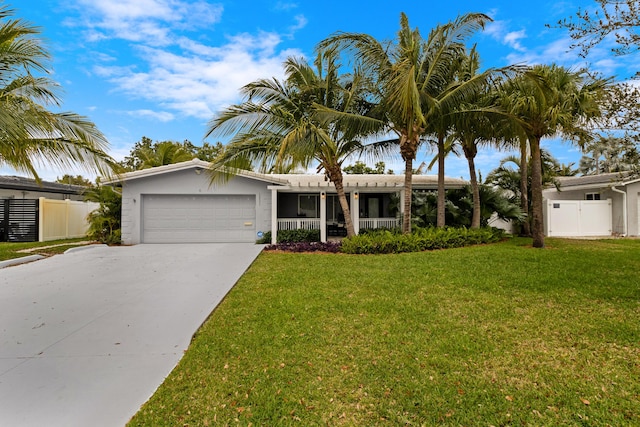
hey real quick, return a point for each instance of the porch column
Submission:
(323, 216)
(274, 215)
(355, 211)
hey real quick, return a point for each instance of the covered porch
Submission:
(321, 210)
(310, 202)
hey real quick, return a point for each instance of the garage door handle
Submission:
(248, 224)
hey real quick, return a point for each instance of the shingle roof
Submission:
(597, 181)
(22, 183)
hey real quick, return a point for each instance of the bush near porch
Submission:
(498, 334)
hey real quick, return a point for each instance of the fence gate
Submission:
(19, 220)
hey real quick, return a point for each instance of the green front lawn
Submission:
(10, 250)
(501, 335)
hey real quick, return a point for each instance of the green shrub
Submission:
(265, 239)
(299, 235)
(387, 242)
(104, 222)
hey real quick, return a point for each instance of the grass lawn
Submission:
(498, 335)
(9, 250)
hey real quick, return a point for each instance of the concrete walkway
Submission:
(87, 337)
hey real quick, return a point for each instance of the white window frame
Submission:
(592, 196)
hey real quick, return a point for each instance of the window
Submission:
(308, 205)
(592, 196)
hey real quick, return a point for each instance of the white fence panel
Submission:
(298, 223)
(378, 223)
(578, 218)
(64, 219)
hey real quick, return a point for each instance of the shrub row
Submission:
(291, 236)
(422, 239)
(332, 247)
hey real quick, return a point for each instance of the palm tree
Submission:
(164, 153)
(28, 131)
(279, 125)
(608, 154)
(415, 86)
(551, 100)
(476, 122)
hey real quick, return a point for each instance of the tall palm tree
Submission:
(28, 130)
(415, 85)
(279, 125)
(551, 100)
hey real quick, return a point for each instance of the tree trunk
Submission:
(441, 190)
(537, 230)
(470, 154)
(408, 191)
(335, 176)
(524, 189)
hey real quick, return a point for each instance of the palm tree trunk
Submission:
(440, 222)
(408, 190)
(335, 175)
(524, 189)
(536, 194)
(475, 189)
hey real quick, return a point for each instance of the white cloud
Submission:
(513, 39)
(149, 21)
(161, 116)
(201, 79)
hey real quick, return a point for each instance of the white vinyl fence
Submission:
(578, 218)
(64, 219)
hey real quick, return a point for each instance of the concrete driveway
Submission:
(87, 337)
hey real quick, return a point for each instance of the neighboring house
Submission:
(594, 205)
(177, 203)
(32, 211)
(17, 187)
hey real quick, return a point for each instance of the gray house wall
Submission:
(617, 205)
(187, 182)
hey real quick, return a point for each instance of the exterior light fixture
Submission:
(323, 195)
(356, 195)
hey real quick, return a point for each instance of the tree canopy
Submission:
(29, 131)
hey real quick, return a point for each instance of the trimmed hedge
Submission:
(422, 239)
(299, 235)
(333, 247)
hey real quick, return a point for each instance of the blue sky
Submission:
(163, 68)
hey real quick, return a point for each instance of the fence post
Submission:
(41, 208)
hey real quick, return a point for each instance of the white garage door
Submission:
(198, 219)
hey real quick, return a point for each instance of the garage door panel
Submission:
(185, 219)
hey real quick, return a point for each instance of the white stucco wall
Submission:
(633, 203)
(187, 182)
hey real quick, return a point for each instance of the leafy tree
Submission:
(609, 154)
(618, 17)
(29, 132)
(74, 180)
(361, 168)
(280, 124)
(459, 206)
(146, 153)
(104, 222)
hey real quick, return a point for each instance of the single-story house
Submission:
(594, 205)
(17, 187)
(178, 204)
